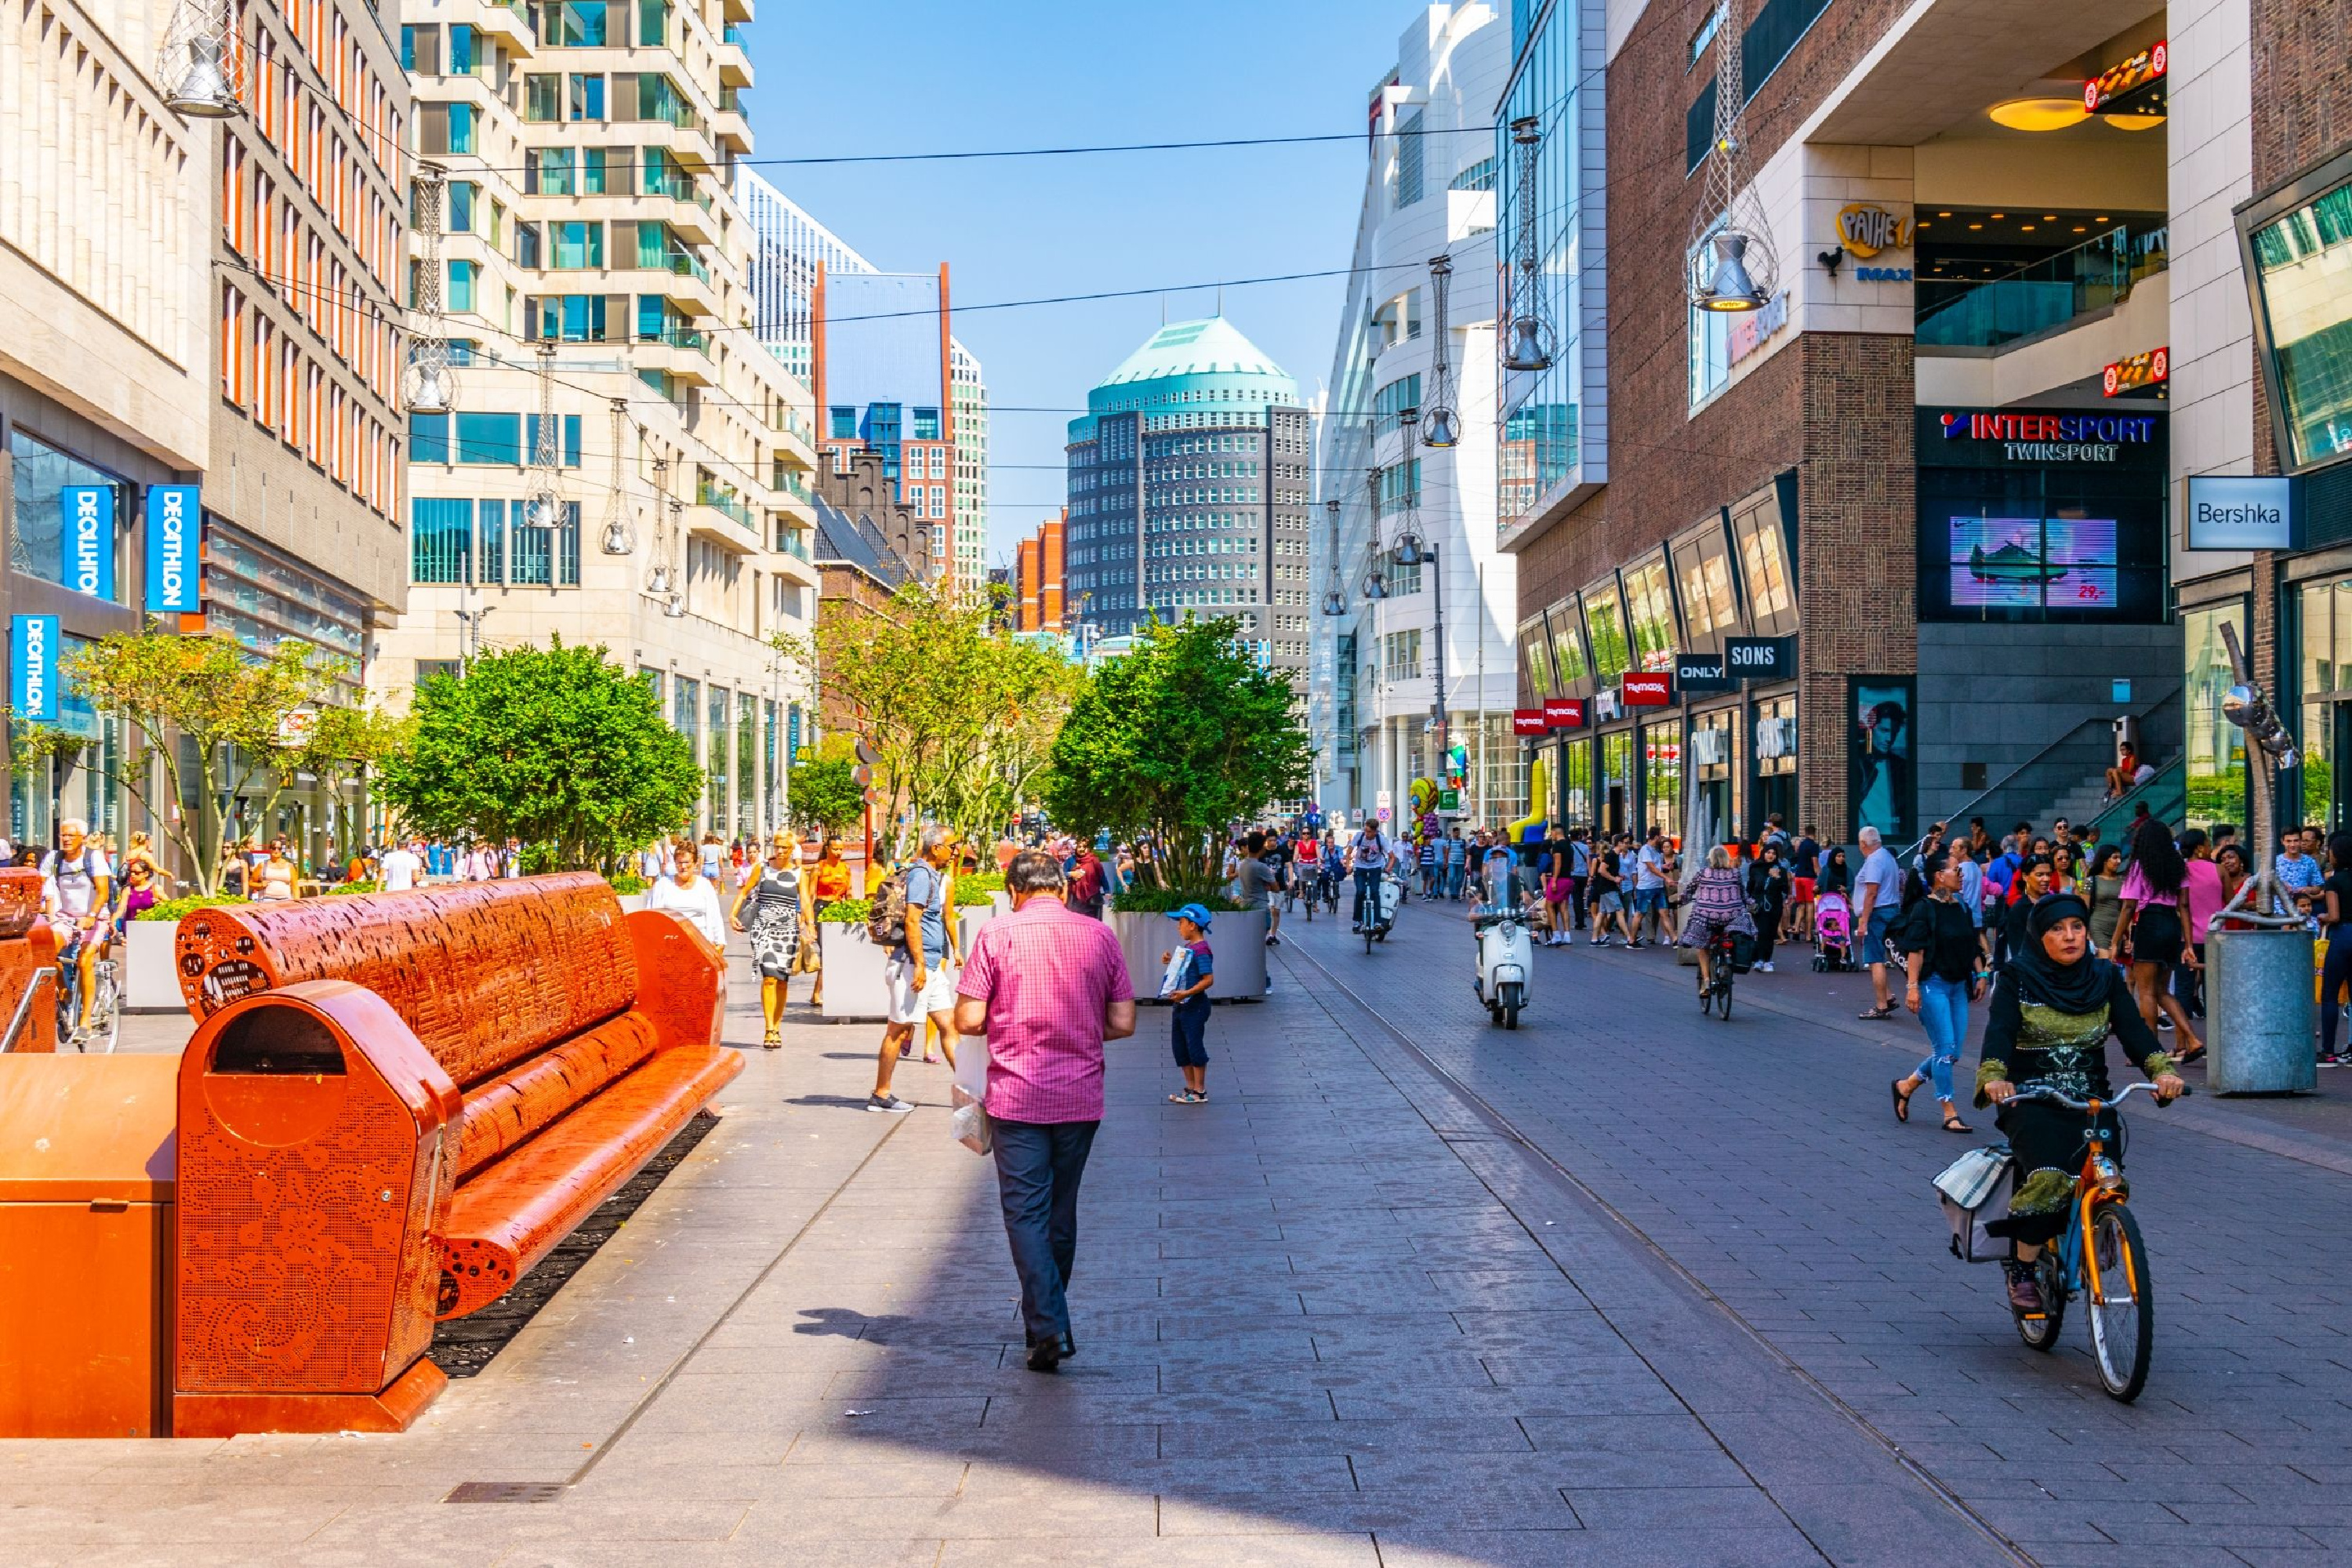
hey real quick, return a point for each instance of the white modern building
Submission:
(792, 254)
(621, 461)
(1398, 642)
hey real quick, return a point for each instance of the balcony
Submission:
(732, 131)
(734, 65)
(723, 527)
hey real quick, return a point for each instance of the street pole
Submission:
(1480, 794)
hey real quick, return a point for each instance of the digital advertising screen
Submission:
(2031, 563)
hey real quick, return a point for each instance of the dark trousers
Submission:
(2334, 971)
(1367, 895)
(1038, 1167)
(1576, 911)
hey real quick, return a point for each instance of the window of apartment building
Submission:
(927, 424)
(549, 172)
(595, 164)
(461, 49)
(42, 480)
(583, 97)
(547, 557)
(841, 422)
(461, 206)
(1401, 655)
(445, 127)
(420, 50)
(575, 25)
(542, 97)
(577, 247)
(441, 540)
(527, 252)
(461, 286)
(653, 23)
(572, 318)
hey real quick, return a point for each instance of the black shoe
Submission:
(1047, 1356)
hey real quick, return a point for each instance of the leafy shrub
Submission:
(982, 882)
(626, 882)
(846, 912)
(1151, 900)
(361, 887)
(967, 895)
(177, 909)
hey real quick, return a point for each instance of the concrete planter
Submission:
(853, 974)
(970, 918)
(151, 976)
(631, 902)
(1238, 939)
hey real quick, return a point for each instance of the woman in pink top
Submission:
(2151, 927)
(2200, 899)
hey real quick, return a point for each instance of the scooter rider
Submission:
(1372, 855)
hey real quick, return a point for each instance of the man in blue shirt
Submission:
(916, 973)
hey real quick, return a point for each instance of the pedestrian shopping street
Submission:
(1625, 1285)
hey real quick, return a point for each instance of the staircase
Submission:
(2067, 778)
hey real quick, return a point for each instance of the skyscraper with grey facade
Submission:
(1189, 493)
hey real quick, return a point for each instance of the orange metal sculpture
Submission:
(394, 1107)
(28, 960)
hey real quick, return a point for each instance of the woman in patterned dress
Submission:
(774, 895)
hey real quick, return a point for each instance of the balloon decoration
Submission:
(1531, 826)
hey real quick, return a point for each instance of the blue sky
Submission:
(929, 75)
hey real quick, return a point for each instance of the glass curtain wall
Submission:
(1540, 409)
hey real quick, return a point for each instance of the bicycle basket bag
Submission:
(1743, 952)
(1966, 1190)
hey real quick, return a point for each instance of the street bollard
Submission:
(2258, 1006)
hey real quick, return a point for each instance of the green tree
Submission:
(227, 708)
(556, 747)
(825, 792)
(960, 715)
(1179, 737)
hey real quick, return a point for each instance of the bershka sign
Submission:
(1527, 721)
(1563, 712)
(2238, 511)
(2033, 437)
(1759, 658)
(1647, 688)
(1702, 672)
(172, 513)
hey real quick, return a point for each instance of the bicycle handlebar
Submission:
(2070, 1103)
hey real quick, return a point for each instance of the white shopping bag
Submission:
(969, 1119)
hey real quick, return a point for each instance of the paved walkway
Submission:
(1760, 1155)
(1338, 1316)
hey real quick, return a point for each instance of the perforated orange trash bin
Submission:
(87, 1163)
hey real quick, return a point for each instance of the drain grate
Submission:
(506, 1491)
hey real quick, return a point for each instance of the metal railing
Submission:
(2166, 796)
(2079, 755)
(1987, 311)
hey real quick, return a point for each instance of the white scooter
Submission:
(1383, 910)
(1506, 960)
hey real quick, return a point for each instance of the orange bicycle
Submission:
(2100, 1257)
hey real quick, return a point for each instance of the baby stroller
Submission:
(1833, 934)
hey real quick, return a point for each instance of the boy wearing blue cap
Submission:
(1191, 968)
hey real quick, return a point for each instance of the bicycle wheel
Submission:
(106, 1025)
(2122, 1308)
(2041, 1333)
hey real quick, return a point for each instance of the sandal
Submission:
(1186, 1098)
(774, 1042)
(1876, 1013)
(1954, 1125)
(2185, 1057)
(1902, 1098)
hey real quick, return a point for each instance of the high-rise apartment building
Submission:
(303, 500)
(867, 341)
(625, 463)
(1189, 480)
(1039, 600)
(106, 376)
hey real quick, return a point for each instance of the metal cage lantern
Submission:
(1335, 603)
(619, 534)
(427, 383)
(1441, 426)
(543, 507)
(1530, 341)
(202, 63)
(1731, 261)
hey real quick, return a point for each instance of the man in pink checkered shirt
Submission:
(1047, 986)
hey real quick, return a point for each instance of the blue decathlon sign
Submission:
(89, 539)
(33, 668)
(174, 528)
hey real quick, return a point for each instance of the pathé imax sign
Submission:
(1867, 228)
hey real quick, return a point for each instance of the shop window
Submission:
(2304, 319)
(1702, 567)
(47, 483)
(1568, 661)
(1651, 609)
(1605, 624)
(1535, 659)
(1662, 783)
(1759, 530)
(2213, 764)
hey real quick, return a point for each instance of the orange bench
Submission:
(28, 963)
(393, 1105)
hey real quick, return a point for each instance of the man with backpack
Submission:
(910, 917)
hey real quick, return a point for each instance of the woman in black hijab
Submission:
(2053, 1009)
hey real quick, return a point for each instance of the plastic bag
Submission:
(968, 1121)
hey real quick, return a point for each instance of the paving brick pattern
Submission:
(1337, 1316)
(1762, 1157)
